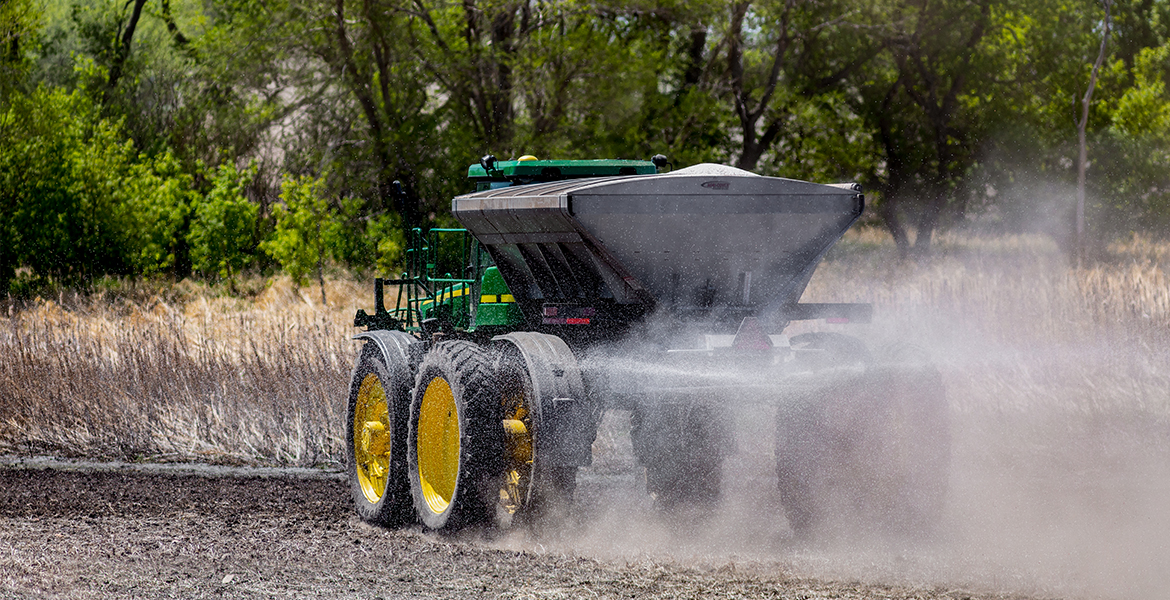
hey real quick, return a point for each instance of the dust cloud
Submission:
(1059, 484)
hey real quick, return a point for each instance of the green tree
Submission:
(924, 101)
(1041, 55)
(1134, 157)
(76, 201)
(386, 235)
(306, 231)
(61, 195)
(18, 22)
(224, 226)
(161, 199)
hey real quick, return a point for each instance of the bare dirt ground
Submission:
(89, 534)
(1069, 512)
(126, 533)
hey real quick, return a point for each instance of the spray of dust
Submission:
(1059, 484)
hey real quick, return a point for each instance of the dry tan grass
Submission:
(1020, 287)
(1068, 366)
(185, 375)
(213, 379)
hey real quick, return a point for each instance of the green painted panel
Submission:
(499, 314)
(497, 307)
(551, 170)
(493, 283)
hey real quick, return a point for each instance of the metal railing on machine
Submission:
(425, 284)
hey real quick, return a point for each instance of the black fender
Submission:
(403, 351)
(566, 418)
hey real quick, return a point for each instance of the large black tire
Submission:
(682, 446)
(871, 451)
(455, 440)
(375, 433)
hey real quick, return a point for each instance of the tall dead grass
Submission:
(1018, 287)
(1068, 366)
(188, 376)
(213, 379)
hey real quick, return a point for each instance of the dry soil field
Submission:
(122, 533)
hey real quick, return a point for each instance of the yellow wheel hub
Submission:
(437, 444)
(371, 438)
(518, 451)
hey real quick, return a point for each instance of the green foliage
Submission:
(309, 231)
(224, 226)
(948, 112)
(78, 202)
(388, 239)
(64, 206)
(306, 229)
(1135, 151)
(825, 141)
(1143, 111)
(161, 203)
(18, 26)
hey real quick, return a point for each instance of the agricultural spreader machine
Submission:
(584, 286)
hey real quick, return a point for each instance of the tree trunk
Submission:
(122, 53)
(928, 221)
(502, 114)
(321, 262)
(181, 41)
(1083, 155)
(694, 70)
(362, 86)
(754, 142)
(897, 175)
(888, 211)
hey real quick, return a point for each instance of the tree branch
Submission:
(123, 51)
(1083, 156)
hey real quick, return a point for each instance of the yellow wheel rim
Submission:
(371, 438)
(437, 444)
(518, 450)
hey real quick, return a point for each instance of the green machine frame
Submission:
(475, 296)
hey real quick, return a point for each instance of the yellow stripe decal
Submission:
(449, 295)
(492, 299)
(444, 297)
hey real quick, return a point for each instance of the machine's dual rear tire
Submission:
(682, 446)
(533, 492)
(551, 424)
(455, 439)
(379, 400)
(459, 444)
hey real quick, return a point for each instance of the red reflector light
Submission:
(576, 321)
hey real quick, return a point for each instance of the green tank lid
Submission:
(529, 169)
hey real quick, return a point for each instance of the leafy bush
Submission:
(386, 236)
(309, 231)
(63, 211)
(224, 225)
(161, 199)
(306, 229)
(76, 201)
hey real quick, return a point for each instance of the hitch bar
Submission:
(836, 312)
